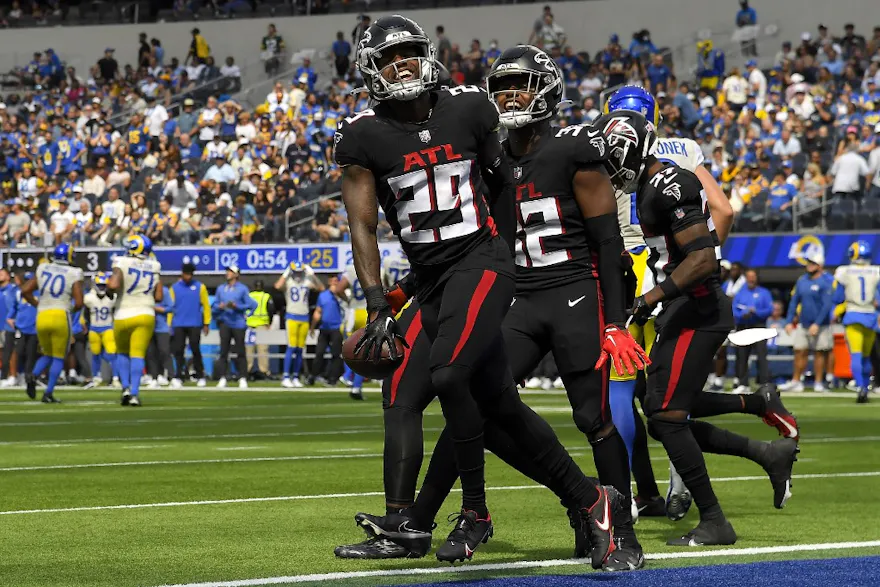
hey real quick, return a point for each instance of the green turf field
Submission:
(226, 486)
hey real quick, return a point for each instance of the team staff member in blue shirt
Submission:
(22, 317)
(232, 302)
(8, 291)
(191, 316)
(159, 356)
(813, 294)
(752, 305)
(327, 319)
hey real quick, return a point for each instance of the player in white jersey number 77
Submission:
(136, 281)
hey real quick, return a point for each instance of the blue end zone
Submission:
(852, 572)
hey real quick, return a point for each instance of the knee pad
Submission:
(601, 434)
(660, 426)
(451, 380)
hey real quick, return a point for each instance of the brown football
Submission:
(380, 369)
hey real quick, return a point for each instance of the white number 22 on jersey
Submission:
(438, 195)
(530, 250)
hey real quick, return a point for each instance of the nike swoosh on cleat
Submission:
(792, 431)
(467, 551)
(572, 304)
(605, 524)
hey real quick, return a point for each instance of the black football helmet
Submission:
(536, 75)
(632, 139)
(378, 39)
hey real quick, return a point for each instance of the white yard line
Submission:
(545, 564)
(186, 420)
(374, 494)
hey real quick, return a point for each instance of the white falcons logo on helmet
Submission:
(517, 173)
(544, 60)
(673, 190)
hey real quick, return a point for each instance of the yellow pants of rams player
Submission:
(53, 333)
(133, 335)
(297, 331)
(357, 319)
(860, 339)
(646, 334)
(102, 341)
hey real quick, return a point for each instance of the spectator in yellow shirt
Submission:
(164, 222)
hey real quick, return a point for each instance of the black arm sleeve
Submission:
(604, 234)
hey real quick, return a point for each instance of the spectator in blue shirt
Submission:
(308, 71)
(231, 304)
(641, 45)
(327, 320)
(747, 17)
(658, 73)
(752, 305)
(491, 54)
(781, 199)
(811, 301)
(341, 54)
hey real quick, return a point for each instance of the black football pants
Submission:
(159, 355)
(194, 335)
(227, 337)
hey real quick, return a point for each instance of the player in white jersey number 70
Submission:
(136, 280)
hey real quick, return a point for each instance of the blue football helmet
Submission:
(139, 246)
(635, 98)
(63, 253)
(860, 252)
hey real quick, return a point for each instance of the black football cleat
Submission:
(375, 548)
(126, 397)
(599, 522)
(470, 531)
(707, 533)
(31, 388)
(399, 529)
(862, 397)
(49, 398)
(778, 461)
(627, 556)
(775, 414)
(652, 507)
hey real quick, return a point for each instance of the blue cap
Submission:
(109, 50)
(614, 38)
(751, 63)
(29, 275)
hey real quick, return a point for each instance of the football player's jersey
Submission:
(55, 282)
(670, 202)
(396, 269)
(551, 245)
(428, 181)
(682, 152)
(139, 279)
(100, 311)
(859, 283)
(358, 299)
(296, 293)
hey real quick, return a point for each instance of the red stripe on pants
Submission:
(412, 333)
(681, 348)
(607, 367)
(477, 300)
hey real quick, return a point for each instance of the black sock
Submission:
(504, 447)
(403, 456)
(439, 480)
(753, 403)
(642, 471)
(714, 404)
(717, 440)
(612, 464)
(469, 460)
(685, 454)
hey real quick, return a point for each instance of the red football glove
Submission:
(396, 298)
(624, 351)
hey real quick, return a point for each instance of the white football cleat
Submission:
(678, 498)
(163, 381)
(176, 383)
(742, 389)
(222, 382)
(201, 382)
(242, 383)
(533, 383)
(558, 384)
(819, 388)
(153, 384)
(286, 382)
(546, 384)
(297, 383)
(8, 382)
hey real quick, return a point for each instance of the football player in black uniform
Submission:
(695, 320)
(427, 158)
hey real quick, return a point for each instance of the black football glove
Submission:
(640, 311)
(380, 331)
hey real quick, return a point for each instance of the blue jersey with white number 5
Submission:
(55, 284)
(139, 280)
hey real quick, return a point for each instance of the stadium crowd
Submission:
(162, 148)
